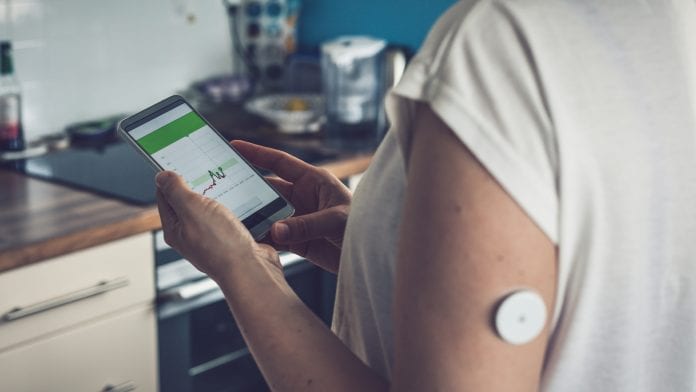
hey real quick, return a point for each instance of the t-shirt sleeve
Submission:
(477, 73)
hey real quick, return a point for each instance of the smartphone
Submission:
(172, 135)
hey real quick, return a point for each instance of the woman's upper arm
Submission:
(464, 245)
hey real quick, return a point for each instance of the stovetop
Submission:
(117, 170)
(113, 170)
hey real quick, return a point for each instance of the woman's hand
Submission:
(321, 203)
(206, 233)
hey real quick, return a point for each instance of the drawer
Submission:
(119, 350)
(63, 292)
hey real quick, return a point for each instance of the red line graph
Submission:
(214, 175)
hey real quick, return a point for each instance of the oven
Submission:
(200, 347)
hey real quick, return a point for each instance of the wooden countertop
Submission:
(40, 220)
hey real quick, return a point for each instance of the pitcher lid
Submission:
(348, 48)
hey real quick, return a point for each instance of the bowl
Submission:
(291, 113)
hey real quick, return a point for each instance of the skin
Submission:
(459, 254)
(321, 202)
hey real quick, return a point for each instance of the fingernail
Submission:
(162, 179)
(282, 231)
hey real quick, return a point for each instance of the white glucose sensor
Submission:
(520, 317)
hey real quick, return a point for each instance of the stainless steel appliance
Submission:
(200, 347)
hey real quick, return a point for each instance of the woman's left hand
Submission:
(205, 232)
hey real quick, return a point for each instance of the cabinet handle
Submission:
(191, 290)
(30, 310)
(127, 386)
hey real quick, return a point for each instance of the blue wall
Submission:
(403, 22)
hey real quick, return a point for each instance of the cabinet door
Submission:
(66, 291)
(117, 351)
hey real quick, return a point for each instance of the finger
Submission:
(168, 218)
(320, 224)
(282, 186)
(166, 213)
(269, 241)
(175, 191)
(323, 254)
(279, 162)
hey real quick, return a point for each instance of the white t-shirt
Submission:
(585, 112)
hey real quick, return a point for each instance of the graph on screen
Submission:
(185, 144)
(214, 176)
(206, 163)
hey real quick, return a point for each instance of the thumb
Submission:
(320, 224)
(176, 192)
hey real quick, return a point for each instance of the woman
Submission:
(523, 154)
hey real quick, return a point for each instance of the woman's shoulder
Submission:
(467, 22)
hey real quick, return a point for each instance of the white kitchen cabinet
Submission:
(64, 292)
(112, 351)
(81, 322)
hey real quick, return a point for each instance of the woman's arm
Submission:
(293, 348)
(464, 245)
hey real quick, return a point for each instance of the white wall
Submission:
(84, 59)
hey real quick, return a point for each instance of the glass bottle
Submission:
(11, 133)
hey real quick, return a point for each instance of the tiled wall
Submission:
(84, 59)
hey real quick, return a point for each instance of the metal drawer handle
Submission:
(191, 290)
(100, 288)
(127, 386)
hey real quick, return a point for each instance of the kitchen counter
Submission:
(40, 220)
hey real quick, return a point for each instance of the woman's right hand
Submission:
(321, 204)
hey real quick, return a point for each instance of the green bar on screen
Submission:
(170, 133)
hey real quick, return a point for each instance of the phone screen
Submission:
(178, 139)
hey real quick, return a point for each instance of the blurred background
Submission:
(91, 296)
(85, 59)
